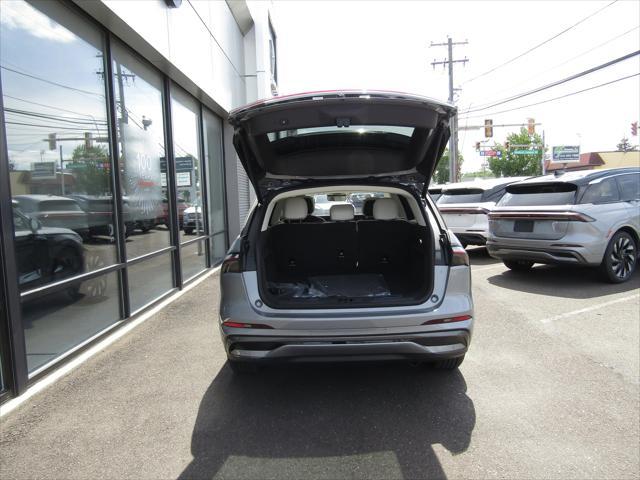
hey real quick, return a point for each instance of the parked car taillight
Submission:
(459, 256)
(231, 263)
(244, 325)
(542, 215)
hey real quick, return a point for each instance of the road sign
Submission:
(528, 151)
(565, 154)
(490, 153)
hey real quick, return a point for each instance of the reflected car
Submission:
(393, 287)
(163, 219)
(192, 220)
(140, 214)
(589, 218)
(45, 254)
(465, 206)
(99, 212)
(55, 211)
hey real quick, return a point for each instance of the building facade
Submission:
(119, 184)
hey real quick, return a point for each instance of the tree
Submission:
(441, 174)
(514, 165)
(625, 146)
(92, 169)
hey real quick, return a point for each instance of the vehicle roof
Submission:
(284, 99)
(580, 177)
(37, 197)
(484, 184)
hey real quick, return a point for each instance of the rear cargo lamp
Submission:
(244, 325)
(435, 321)
(231, 263)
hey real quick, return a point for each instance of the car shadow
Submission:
(480, 256)
(562, 281)
(342, 415)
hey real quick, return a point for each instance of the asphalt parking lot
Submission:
(549, 389)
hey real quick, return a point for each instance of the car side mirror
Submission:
(34, 224)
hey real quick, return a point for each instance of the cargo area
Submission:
(345, 264)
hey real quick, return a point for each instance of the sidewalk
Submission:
(129, 411)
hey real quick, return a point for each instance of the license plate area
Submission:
(523, 226)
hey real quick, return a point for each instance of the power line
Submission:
(35, 77)
(540, 44)
(48, 106)
(558, 82)
(539, 74)
(556, 98)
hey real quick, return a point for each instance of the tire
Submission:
(188, 231)
(67, 264)
(241, 368)
(518, 265)
(620, 258)
(449, 363)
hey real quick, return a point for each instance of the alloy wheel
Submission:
(623, 257)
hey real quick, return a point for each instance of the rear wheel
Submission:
(449, 363)
(188, 231)
(518, 265)
(620, 258)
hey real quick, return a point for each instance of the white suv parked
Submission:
(582, 218)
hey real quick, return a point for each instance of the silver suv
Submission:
(386, 282)
(465, 206)
(580, 218)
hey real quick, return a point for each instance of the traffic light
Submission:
(488, 128)
(477, 146)
(52, 141)
(531, 126)
(634, 129)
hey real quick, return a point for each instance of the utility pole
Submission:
(453, 141)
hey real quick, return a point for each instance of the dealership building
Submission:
(119, 183)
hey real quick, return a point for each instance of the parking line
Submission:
(588, 309)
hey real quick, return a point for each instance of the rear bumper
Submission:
(548, 255)
(412, 347)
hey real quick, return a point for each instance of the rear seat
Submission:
(314, 248)
(383, 243)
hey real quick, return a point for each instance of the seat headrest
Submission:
(385, 209)
(295, 208)
(367, 207)
(310, 205)
(341, 212)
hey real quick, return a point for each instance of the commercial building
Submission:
(598, 160)
(119, 183)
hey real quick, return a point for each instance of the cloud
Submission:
(20, 15)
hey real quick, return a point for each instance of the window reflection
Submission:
(186, 144)
(58, 143)
(138, 91)
(193, 258)
(149, 279)
(215, 175)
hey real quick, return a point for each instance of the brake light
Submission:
(244, 325)
(543, 215)
(435, 321)
(231, 264)
(459, 256)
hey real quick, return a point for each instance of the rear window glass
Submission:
(605, 191)
(461, 195)
(629, 186)
(540, 194)
(53, 205)
(362, 129)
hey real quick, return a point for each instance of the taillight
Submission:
(231, 263)
(435, 321)
(459, 256)
(244, 325)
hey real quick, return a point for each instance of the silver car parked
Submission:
(391, 283)
(581, 218)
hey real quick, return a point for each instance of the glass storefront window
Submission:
(215, 175)
(186, 145)
(149, 280)
(218, 247)
(59, 321)
(138, 92)
(58, 142)
(194, 260)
